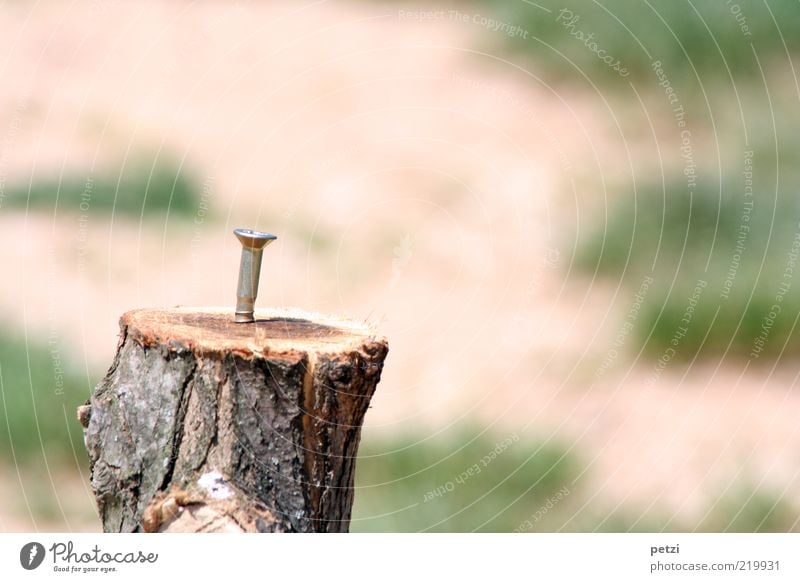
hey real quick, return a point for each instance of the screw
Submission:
(253, 243)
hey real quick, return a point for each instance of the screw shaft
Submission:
(249, 273)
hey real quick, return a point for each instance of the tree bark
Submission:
(202, 424)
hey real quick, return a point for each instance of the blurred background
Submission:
(577, 222)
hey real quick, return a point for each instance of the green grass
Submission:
(681, 237)
(141, 188)
(669, 30)
(746, 508)
(742, 508)
(396, 481)
(395, 478)
(40, 393)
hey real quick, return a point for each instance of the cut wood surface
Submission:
(203, 424)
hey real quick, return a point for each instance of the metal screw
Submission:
(253, 243)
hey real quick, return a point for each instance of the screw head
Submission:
(253, 239)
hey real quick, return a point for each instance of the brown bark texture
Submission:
(202, 424)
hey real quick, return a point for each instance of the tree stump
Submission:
(202, 424)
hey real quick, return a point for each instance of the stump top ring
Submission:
(211, 330)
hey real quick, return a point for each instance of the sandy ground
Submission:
(412, 183)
